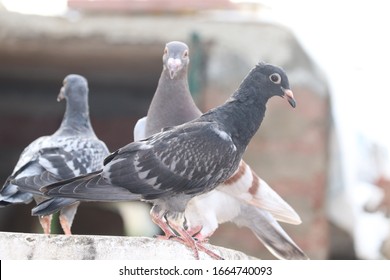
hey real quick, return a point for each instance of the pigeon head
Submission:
(76, 117)
(276, 82)
(175, 58)
(74, 86)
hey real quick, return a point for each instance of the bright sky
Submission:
(39, 7)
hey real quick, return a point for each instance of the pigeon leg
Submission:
(158, 219)
(65, 225)
(45, 222)
(195, 245)
(184, 237)
(200, 245)
(202, 238)
(66, 217)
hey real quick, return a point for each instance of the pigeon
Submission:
(171, 167)
(244, 199)
(72, 150)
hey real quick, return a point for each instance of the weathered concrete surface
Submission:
(22, 246)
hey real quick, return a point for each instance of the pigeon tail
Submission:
(248, 187)
(31, 183)
(16, 198)
(10, 194)
(51, 206)
(270, 233)
(89, 187)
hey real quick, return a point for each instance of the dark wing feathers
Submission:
(182, 160)
(89, 187)
(176, 161)
(32, 184)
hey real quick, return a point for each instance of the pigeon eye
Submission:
(185, 54)
(275, 78)
(165, 51)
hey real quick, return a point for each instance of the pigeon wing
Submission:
(71, 159)
(187, 159)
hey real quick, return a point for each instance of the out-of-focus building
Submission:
(117, 46)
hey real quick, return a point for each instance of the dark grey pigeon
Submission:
(169, 168)
(72, 150)
(244, 199)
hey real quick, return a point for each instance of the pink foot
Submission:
(45, 222)
(187, 239)
(161, 222)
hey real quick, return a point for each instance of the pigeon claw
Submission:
(186, 238)
(196, 246)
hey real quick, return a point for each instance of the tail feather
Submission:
(270, 233)
(11, 195)
(247, 186)
(266, 198)
(32, 183)
(51, 206)
(89, 187)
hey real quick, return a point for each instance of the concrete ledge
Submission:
(26, 246)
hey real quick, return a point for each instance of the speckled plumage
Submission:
(186, 160)
(72, 150)
(244, 198)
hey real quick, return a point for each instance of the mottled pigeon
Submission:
(72, 150)
(171, 167)
(244, 199)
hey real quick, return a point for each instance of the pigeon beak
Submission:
(61, 95)
(174, 65)
(290, 97)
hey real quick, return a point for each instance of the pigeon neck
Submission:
(76, 118)
(241, 132)
(172, 103)
(243, 113)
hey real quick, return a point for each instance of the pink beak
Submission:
(290, 97)
(174, 65)
(61, 95)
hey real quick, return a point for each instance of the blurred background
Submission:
(328, 158)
